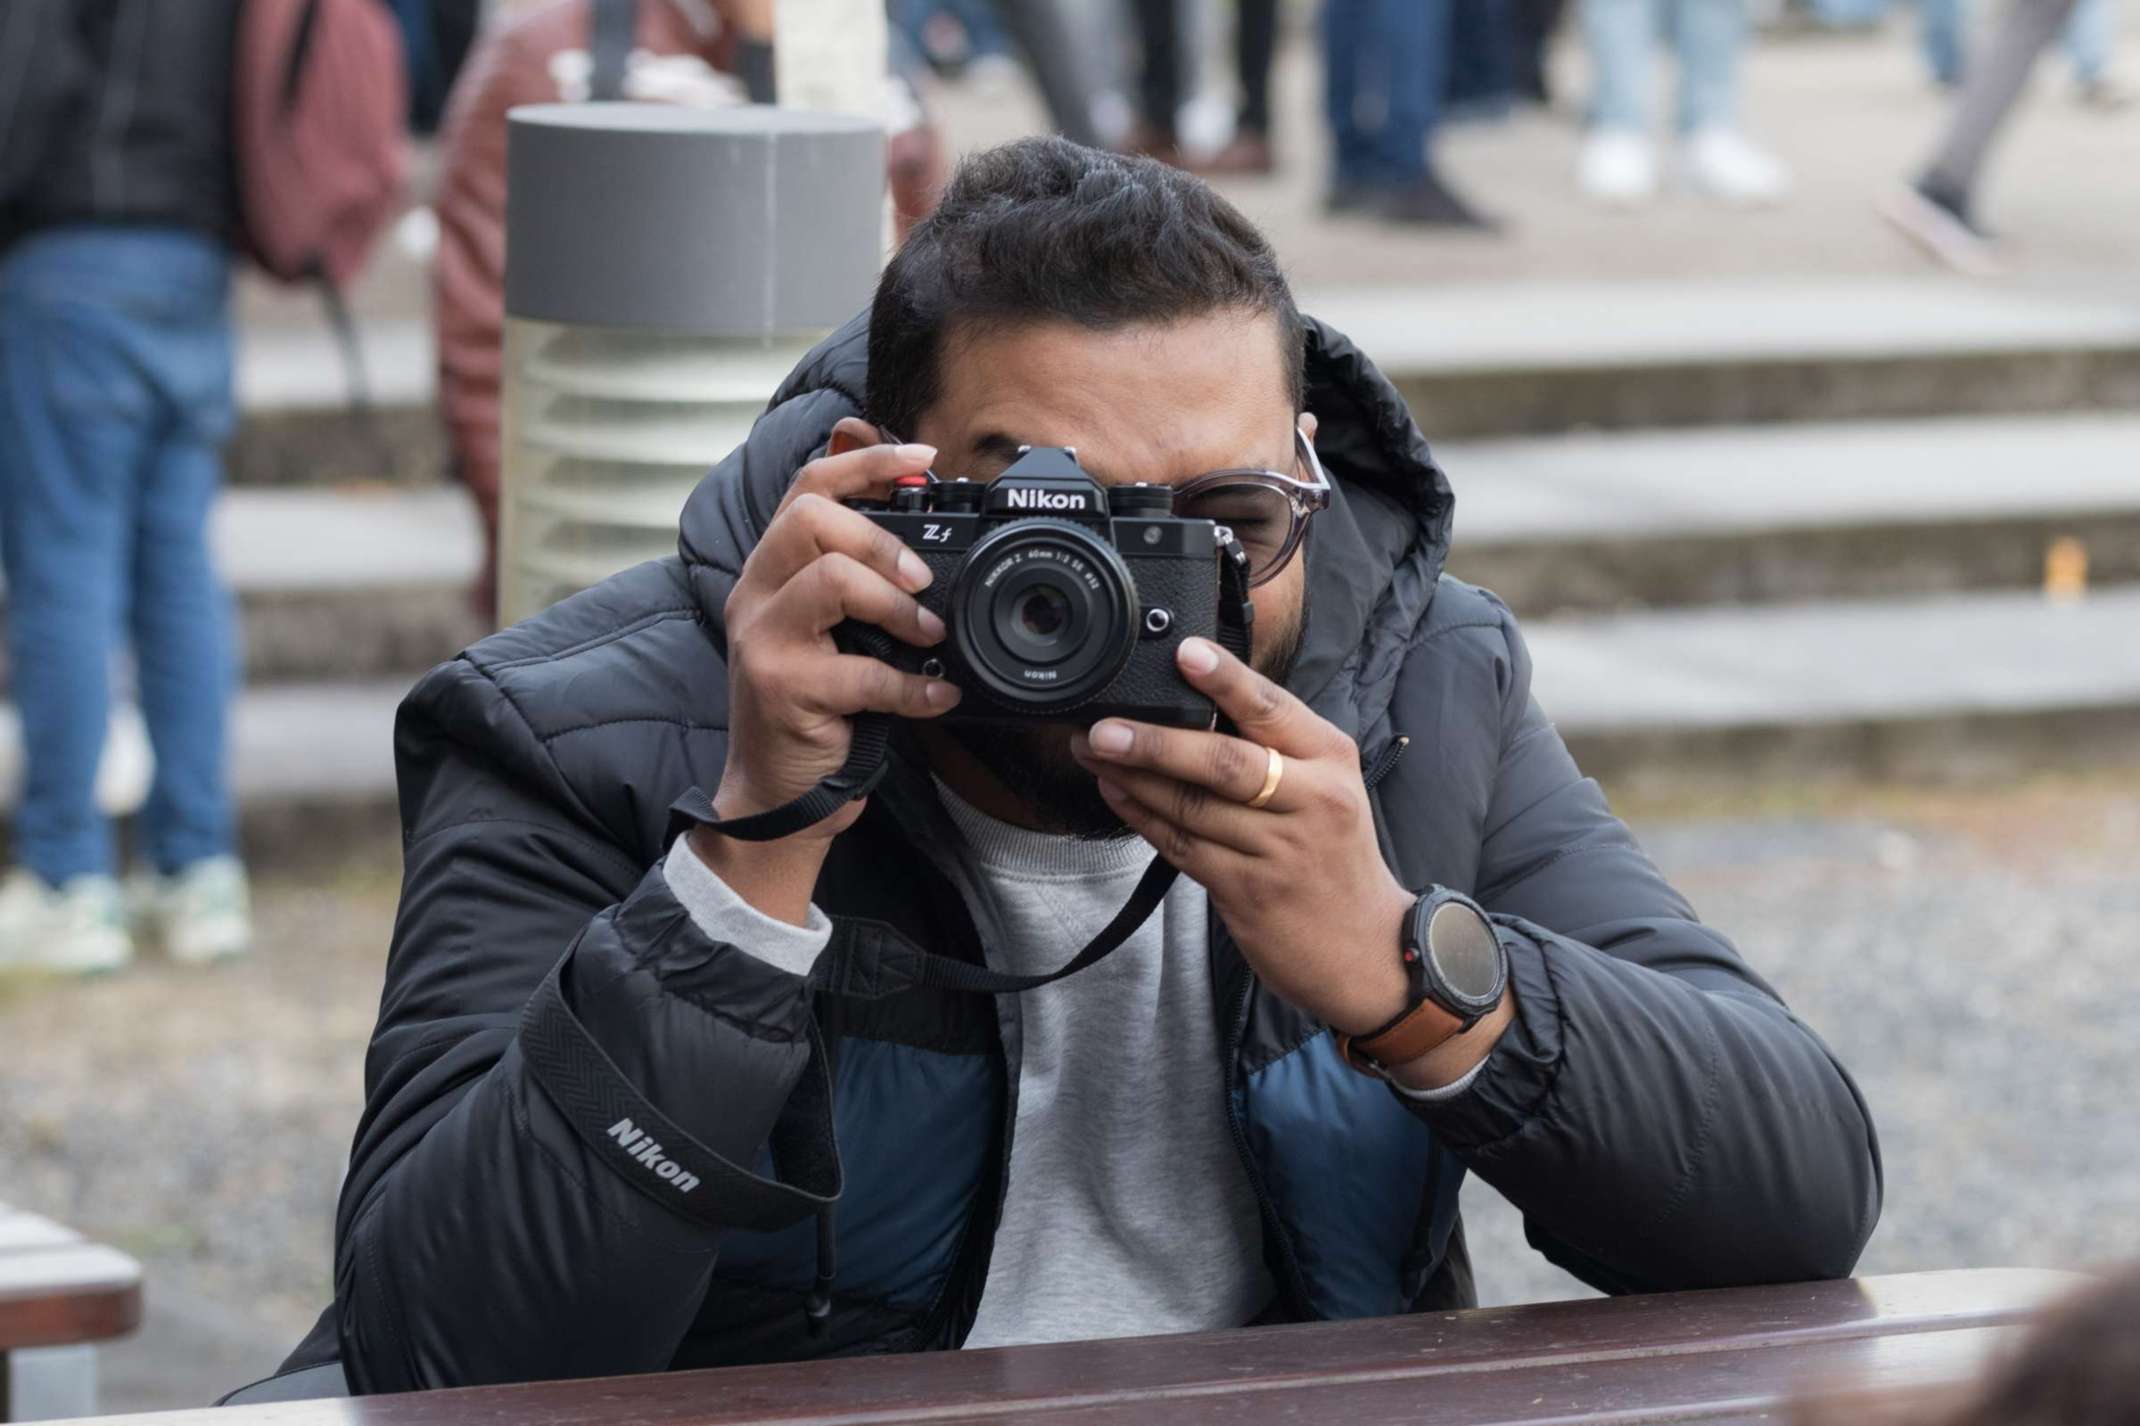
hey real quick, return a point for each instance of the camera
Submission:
(1064, 600)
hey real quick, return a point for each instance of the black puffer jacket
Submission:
(117, 111)
(1660, 1117)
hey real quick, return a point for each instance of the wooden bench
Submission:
(1735, 1355)
(57, 1289)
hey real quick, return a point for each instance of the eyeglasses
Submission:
(1267, 510)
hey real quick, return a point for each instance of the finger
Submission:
(1207, 862)
(1189, 806)
(846, 684)
(813, 526)
(1232, 768)
(850, 475)
(836, 587)
(1264, 712)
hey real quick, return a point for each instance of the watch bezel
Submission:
(1427, 975)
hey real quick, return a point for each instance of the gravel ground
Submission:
(1967, 954)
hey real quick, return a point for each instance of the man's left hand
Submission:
(1300, 881)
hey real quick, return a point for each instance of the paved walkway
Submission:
(1850, 114)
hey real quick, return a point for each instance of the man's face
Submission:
(1164, 403)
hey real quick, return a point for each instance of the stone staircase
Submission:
(1764, 530)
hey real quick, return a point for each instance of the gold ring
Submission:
(1272, 775)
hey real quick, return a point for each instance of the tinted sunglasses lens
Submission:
(1260, 517)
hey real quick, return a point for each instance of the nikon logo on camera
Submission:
(1025, 498)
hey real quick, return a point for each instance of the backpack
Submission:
(320, 93)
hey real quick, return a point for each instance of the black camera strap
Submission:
(865, 767)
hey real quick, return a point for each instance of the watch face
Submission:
(1466, 957)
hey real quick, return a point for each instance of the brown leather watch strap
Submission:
(1422, 1028)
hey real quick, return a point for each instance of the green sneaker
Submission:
(75, 929)
(201, 914)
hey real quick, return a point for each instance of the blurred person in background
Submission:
(1481, 86)
(1255, 43)
(1937, 209)
(436, 37)
(118, 218)
(1618, 164)
(2089, 37)
(1535, 22)
(704, 52)
(1386, 65)
(952, 36)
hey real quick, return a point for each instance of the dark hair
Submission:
(1045, 229)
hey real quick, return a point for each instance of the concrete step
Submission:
(298, 424)
(364, 581)
(1481, 359)
(1979, 685)
(1990, 684)
(1538, 357)
(1760, 514)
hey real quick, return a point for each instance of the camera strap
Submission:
(866, 764)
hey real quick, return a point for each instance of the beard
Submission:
(1033, 759)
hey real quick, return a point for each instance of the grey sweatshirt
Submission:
(1128, 1211)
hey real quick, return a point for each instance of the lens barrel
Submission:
(1043, 615)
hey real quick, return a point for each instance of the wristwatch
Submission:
(1457, 968)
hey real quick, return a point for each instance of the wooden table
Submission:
(58, 1289)
(1737, 1355)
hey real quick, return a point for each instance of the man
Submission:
(619, 1073)
(118, 209)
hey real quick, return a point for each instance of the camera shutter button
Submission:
(910, 492)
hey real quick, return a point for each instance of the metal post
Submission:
(665, 268)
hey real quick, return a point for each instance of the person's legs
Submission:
(184, 644)
(1412, 40)
(1482, 59)
(1708, 36)
(1159, 87)
(1718, 159)
(1849, 14)
(77, 424)
(1939, 31)
(1535, 23)
(2089, 35)
(1618, 163)
(1989, 91)
(1255, 46)
(1621, 36)
(1043, 36)
(1345, 31)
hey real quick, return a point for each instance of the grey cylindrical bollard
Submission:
(665, 267)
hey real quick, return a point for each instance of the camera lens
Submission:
(1044, 615)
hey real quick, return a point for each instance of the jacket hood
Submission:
(1373, 557)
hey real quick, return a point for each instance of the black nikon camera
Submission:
(1065, 600)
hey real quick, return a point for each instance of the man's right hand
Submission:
(791, 690)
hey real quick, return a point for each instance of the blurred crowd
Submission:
(128, 195)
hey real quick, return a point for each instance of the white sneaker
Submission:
(202, 914)
(1723, 164)
(76, 929)
(1617, 166)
